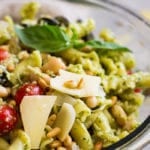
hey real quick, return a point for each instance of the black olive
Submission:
(88, 37)
(48, 21)
(62, 21)
(146, 92)
(24, 25)
(4, 80)
(79, 20)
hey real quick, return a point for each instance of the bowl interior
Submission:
(129, 30)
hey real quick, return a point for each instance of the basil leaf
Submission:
(105, 46)
(46, 38)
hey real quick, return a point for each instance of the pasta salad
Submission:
(63, 89)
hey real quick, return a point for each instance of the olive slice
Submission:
(63, 21)
(49, 21)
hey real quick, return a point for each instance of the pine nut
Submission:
(114, 100)
(68, 141)
(98, 146)
(55, 144)
(70, 84)
(1, 71)
(42, 83)
(51, 119)
(74, 85)
(61, 148)
(80, 84)
(46, 78)
(89, 72)
(119, 114)
(53, 132)
(10, 67)
(12, 103)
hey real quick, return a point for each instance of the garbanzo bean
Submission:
(54, 64)
(91, 101)
(4, 92)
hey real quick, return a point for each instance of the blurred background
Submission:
(140, 6)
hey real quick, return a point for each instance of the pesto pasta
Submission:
(60, 87)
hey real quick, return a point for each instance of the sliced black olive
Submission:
(48, 21)
(4, 80)
(79, 20)
(146, 92)
(62, 21)
(24, 25)
(88, 37)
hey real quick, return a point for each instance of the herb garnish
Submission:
(48, 38)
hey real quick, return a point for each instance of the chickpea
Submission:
(23, 55)
(54, 64)
(4, 92)
(91, 101)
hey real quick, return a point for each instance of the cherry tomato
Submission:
(137, 90)
(129, 72)
(27, 89)
(3, 54)
(8, 119)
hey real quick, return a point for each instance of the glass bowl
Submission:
(130, 29)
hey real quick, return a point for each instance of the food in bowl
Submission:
(61, 88)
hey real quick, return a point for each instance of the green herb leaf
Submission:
(44, 38)
(52, 39)
(105, 46)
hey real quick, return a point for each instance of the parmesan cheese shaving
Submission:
(91, 86)
(34, 113)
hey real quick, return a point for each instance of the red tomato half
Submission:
(27, 89)
(8, 119)
(3, 54)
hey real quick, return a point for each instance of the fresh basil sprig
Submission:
(52, 39)
(44, 38)
(102, 45)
